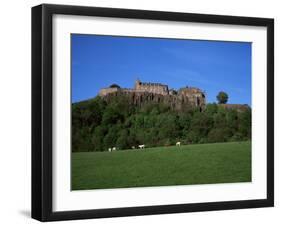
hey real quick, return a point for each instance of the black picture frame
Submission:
(42, 111)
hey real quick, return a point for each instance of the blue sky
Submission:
(213, 66)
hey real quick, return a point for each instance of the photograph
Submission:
(149, 111)
(145, 112)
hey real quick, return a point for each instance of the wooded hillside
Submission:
(98, 124)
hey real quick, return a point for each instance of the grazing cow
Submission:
(109, 149)
(178, 143)
(133, 147)
(114, 149)
(142, 146)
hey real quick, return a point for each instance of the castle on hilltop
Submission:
(158, 92)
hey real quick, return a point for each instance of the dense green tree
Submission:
(244, 126)
(211, 108)
(114, 86)
(122, 140)
(98, 125)
(111, 116)
(201, 123)
(219, 135)
(109, 139)
(222, 97)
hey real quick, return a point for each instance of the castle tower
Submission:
(137, 84)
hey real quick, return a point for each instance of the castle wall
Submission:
(238, 107)
(195, 96)
(156, 88)
(106, 91)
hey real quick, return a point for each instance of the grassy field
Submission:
(162, 166)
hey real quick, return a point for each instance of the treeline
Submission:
(97, 125)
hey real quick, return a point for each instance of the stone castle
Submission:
(140, 87)
(156, 92)
(156, 88)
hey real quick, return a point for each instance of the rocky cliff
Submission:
(144, 92)
(177, 101)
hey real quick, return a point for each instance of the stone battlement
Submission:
(155, 88)
(105, 91)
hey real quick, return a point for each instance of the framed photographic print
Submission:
(145, 112)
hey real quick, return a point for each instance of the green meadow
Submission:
(163, 166)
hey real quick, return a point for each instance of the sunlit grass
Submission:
(163, 166)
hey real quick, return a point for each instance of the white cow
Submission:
(142, 146)
(133, 147)
(114, 149)
(109, 149)
(178, 143)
